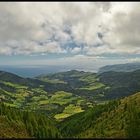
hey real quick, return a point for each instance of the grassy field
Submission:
(62, 98)
(64, 103)
(52, 81)
(39, 90)
(15, 85)
(88, 78)
(93, 86)
(68, 111)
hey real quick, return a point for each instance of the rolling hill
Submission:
(116, 119)
(72, 104)
(94, 86)
(56, 94)
(128, 67)
(121, 83)
(49, 97)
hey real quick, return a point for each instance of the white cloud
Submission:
(24, 25)
(27, 47)
(76, 50)
(27, 22)
(124, 28)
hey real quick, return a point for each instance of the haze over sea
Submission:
(35, 70)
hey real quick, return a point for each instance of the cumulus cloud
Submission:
(124, 34)
(76, 50)
(27, 47)
(27, 23)
(46, 27)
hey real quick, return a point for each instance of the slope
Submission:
(67, 93)
(128, 67)
(39, 96)
(120, 84)
(117, 119)
(24, 124)
(12, 130)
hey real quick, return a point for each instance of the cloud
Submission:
(30, 47)
(47, 27)
(76, 50)
(29, 23)
(124, 29)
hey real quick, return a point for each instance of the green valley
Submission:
(70, 70)
(77, 104)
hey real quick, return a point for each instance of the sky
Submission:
(83, 35)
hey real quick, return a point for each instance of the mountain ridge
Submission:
(127, 67)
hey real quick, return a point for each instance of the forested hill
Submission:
(25, 124)
(117, 119)
(121, 83)
(128, 67)
(101, 86)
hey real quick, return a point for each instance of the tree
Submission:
(133, 127)
(30, 129)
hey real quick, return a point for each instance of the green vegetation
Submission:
(53, 81)
(61, 98)
(37, 99)
(89, 78)
(15, 85)
(68, 111)
(20, 124)
(44, 102)
(93, 86)
(57, 100)
(116, 119)
(39, 90)
(79, 103)
(128, 67)
(9, 129)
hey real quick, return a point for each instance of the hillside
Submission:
(97, 87)
(121, 83)
(52, 98)
(70, 104)
(66, 93)
(117, 119)
(24, 124)
(78, 82)
(12, 130)
(128, 67)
